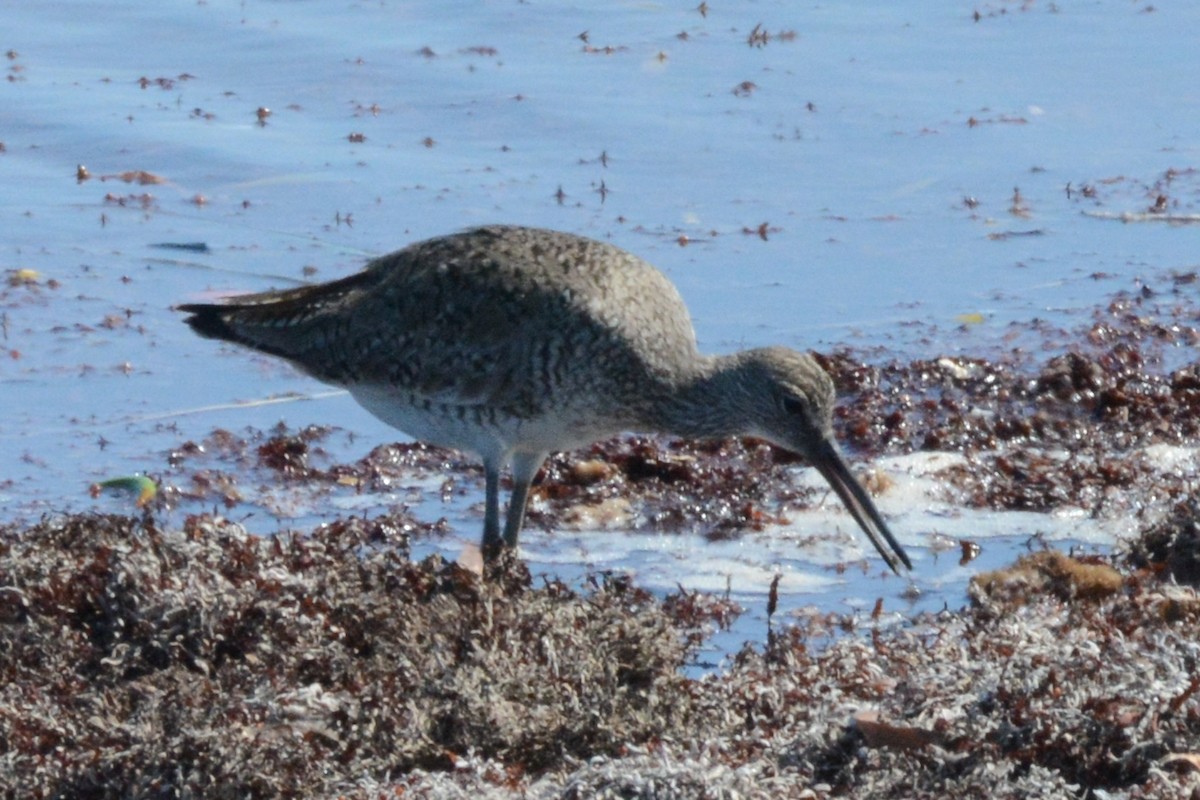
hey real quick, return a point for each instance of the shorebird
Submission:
(514, 342)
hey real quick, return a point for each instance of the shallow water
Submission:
(881, 144)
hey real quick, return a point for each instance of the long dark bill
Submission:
(833, 467)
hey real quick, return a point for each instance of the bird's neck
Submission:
(707, 402)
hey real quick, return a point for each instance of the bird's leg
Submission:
(524, 468)
(491, 543)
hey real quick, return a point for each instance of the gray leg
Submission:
(491, 543)
(524, 467)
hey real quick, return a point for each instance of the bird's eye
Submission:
(793, 406)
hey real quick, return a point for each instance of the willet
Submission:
(515, 342)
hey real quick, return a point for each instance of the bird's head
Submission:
(788, 400)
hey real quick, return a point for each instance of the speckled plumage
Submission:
(513, 342)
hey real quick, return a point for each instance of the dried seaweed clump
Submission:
(139, 663)
(1067, 692)
(721, 486)
(1048, 572)
(1172, 545)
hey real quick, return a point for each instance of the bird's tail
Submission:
(292, 324)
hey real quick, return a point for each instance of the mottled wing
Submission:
(437, 319)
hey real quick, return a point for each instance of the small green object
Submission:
(139, 485)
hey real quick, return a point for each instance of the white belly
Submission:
(484, 431)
